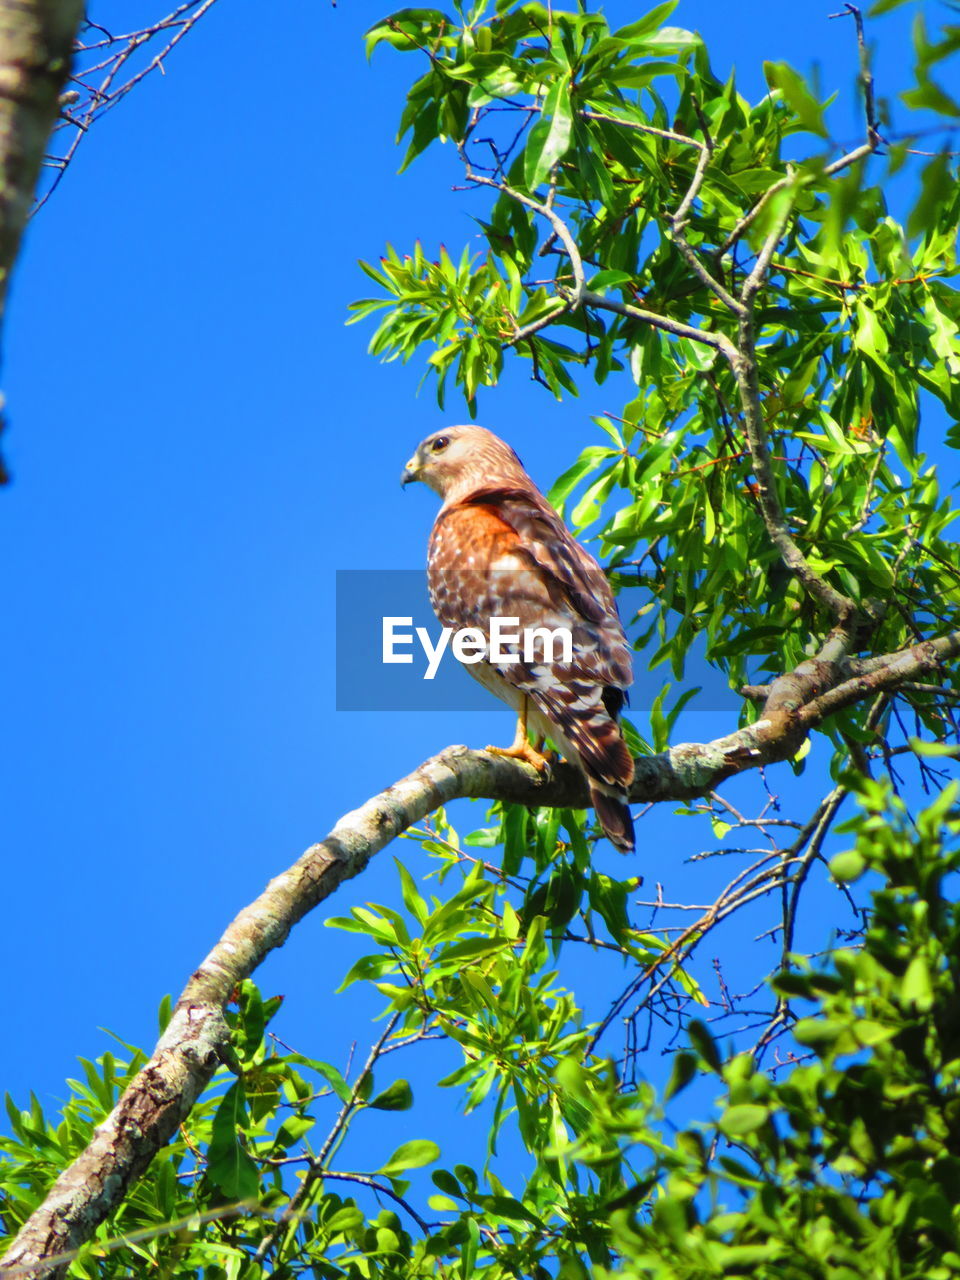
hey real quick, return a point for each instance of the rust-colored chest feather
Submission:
(471, 547)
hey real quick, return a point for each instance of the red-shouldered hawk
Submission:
(499, 550)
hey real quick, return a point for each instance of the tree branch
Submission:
(901, 668)
(580, 294)
(866, 75)
(742, 355)
(861, 152)
(719, 341)
(745, 370)
(107, 59)
(563, 232)
(678, 226)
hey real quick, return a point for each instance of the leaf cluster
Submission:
(847, 1165)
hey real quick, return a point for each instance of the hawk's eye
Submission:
(439, 444)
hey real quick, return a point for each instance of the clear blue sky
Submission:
(197, 443)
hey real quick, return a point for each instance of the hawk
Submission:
(499, 550)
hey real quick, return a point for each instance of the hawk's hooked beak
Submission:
(410, 472)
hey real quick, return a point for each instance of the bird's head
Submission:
(458, 460)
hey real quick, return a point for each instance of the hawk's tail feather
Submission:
(590, 737)
(596, 738)
(615, 818)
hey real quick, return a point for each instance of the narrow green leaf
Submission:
(549, 137)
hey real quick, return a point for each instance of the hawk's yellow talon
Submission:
(523, 751)
(520, 748)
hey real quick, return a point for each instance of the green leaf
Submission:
(292, 1130)
(739, 1120)
(550, 136)
(565, 484)
(411, 898)
(929, 96)
(672, 40)
(609, 898)
(704, 1043)
(334, 1079)
(636, 32)
(514, 837)
(938, 181)
(229, 1165)
(396, 1097)
(793, 89)
(934, 750)
(164, 1013)
(252, 1019)
(445, 1180)
(916, 988)
(819, 1033)
(685, 1066)
(411, 1155)
(847, 867)
(603, 279)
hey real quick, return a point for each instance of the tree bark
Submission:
(36, 47)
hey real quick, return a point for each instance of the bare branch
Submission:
(106, 69)
(812, 836)
(719, 341)
(866, 75)
(859, 153)
(563, 232)
(756, 881)
(381, 1188)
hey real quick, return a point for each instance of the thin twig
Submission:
(381, 1188)
(866, 74)
(290, 1219)
(563, 232)
(719, 341)
(678, 225)
(87, 102)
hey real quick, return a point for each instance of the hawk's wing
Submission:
(550, 545)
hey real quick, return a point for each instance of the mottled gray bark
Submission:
(185, 1058)
(36, 43)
